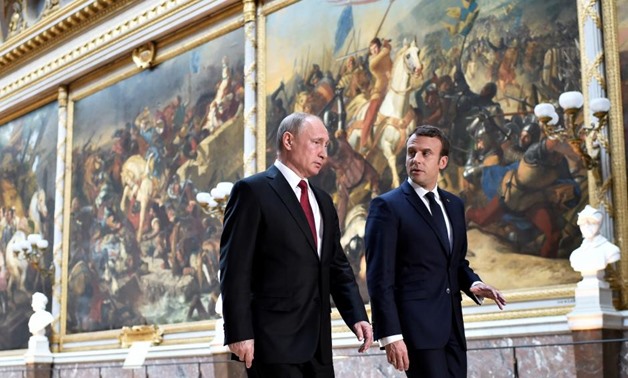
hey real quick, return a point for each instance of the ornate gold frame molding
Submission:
(74, 17)
(618, 147)
(76, 20)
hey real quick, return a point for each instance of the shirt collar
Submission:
(292, 178)
(422, 191)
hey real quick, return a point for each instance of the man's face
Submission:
(306, 152)
(374, 49)
(423, 160)
(350, 64)
(524, 140)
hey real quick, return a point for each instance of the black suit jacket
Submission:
(413, 281)
(274, 287)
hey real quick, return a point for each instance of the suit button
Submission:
(448, 291)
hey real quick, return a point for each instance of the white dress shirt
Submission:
(293, 180)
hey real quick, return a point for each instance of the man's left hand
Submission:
(364, 332)
(487, 291)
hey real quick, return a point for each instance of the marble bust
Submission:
(596, 251)
(41, 318)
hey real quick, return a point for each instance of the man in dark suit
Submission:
(416, 247)
(280, 259)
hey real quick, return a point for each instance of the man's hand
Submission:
(397, 355)
(487, 291)
(244, 350)
(364, 332)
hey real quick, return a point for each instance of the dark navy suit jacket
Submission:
(414, 281)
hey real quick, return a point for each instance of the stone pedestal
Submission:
(38, 358)
(597, 358)
(594, 305)
(593, 320)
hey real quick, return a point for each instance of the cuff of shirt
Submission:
(479, 299)
(389, 340)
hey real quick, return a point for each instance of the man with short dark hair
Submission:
(416, 246)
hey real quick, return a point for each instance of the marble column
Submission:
(57, 251)
(250, 88)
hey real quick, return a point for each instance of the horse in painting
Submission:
(395, 118)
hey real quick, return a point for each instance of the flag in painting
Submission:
(464, 16)
(345, 24)
(195, 62)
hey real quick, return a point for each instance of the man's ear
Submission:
(443, 162)
(287, 140)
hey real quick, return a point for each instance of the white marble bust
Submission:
(41, 318)
(596, 251)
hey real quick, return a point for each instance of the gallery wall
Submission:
(120, 112)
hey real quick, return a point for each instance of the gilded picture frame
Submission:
(615, 41)
(146, 135)
(28, 166)
(327, 41)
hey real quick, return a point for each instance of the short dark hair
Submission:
(376, 41)
(433, 132)
(292, 124)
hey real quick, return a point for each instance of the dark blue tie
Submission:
(439, 220)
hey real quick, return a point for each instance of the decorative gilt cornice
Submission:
(98, 42)
(19, 47)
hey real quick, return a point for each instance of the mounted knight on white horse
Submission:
(395, 118)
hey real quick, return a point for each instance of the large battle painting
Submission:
(373, 70)
(28, 158)
(141, 249)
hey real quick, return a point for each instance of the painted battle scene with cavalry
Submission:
(141, 250)
(374, 70)
(28, 159)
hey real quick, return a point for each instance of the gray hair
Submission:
(291, 124)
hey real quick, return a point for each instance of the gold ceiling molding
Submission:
(115, 33)
(32, 40)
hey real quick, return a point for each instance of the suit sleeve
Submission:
(343, 286)
(242, 217)
(381, 248)
(466, 275)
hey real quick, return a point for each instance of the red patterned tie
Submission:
(305, 204)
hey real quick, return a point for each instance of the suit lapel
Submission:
(326, 219)
(286, 195)
(418, 204)
(453, 218)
